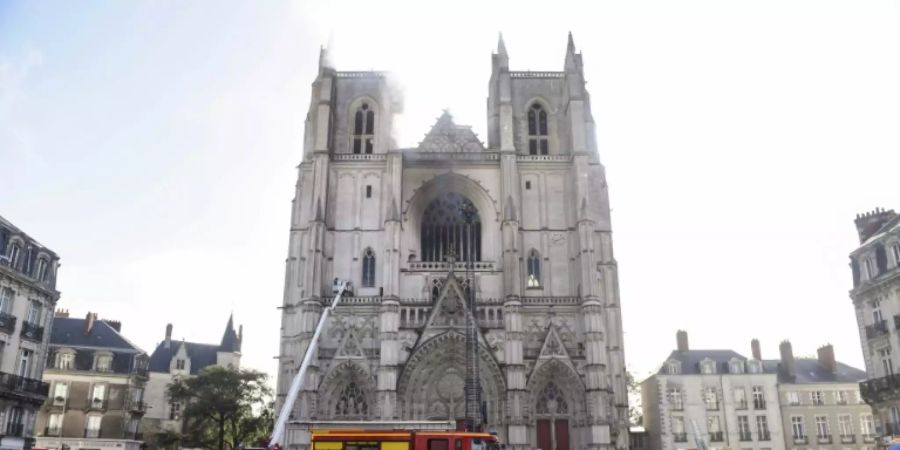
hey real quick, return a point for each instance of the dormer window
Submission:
(707, 367)
(42, 267)
(673, 368)
(364, 130)
(755, 366)
(103, 363)
(870, 268)
(895, 250)
(538, 143)
(14, 252)
(65, 360)
(736, 366)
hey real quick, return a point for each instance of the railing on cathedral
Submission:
(358, 157)
(451, 156)
(427, 266)
(540, 74)
(543, 158)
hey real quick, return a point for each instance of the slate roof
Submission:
(809, 371)
(886, 227)
(201, 355)
(690, 360)
(69, 332)
(230, 341)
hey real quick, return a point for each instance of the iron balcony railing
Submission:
(137, 407)
(873, 389)
(878, 328)
(16, 384)
(801, 439)
(848, 439)
(716, 436)
(7, 322)
(32, 331)
(826, 439)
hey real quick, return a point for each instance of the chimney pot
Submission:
(787, 358)
(168, 341)
(89, 323)
(826, 358)
(754, 349)
(681, 338)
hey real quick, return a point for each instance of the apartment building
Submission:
(28, 297)
(97, 379)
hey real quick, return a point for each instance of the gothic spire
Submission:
(501, 46)
(394, 213)
(570, 54)
(230, 340)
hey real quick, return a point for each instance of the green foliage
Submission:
(223, 408)
(635, 411)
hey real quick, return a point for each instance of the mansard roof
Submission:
(446, 136)
(201, 355)
(690, 360)
(230, 341)
(70, 332)
(809, 371)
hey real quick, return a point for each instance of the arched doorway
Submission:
(445, 229)
(430, 386)
(558, 405)
(347, 393)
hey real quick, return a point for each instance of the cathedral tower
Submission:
(388, 219)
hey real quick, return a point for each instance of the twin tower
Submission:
(391, 220)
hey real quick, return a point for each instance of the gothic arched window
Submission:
(363, 129)
(351, 402)
(551, 401)
(445, 229)
(537, 130)
(534, 269)
(368, 268)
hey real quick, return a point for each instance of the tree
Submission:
(223, 406)
(635, 410)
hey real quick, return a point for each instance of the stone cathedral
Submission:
(388, 219)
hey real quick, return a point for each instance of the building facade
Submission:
(739, 403)
(730, 399)
(820, 402)
(28, 298)
(521, 220)
(97, 379)
(875, 267)
(172, 359)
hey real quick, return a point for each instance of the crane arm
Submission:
(297, 382)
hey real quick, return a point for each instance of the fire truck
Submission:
(349, 439)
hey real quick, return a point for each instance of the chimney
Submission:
(89, 323)
(787, 358)
(754, 349)
(826, 358)
(61, 313)
(869, 223)
(681, 338)
(115, 324)
(168, 335)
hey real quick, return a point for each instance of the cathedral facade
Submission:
(521, 220)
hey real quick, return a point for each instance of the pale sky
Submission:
(153, 146)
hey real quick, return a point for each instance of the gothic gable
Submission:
(447, 137)
(553, 345)
(350, 347)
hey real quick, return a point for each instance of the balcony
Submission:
(763, 436)
(746, 437)
(878, 389)
(15, 429)
(97, 403)
(869, 438)
(7, 323)
(16, 385)
(716, 436)
(137, 407)
(848, 439)
(826, 439)
(32, 331)
(801, 440)
(679, 437)
(59, 401)
(876, 329)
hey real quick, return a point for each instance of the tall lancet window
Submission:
(538, 142)
(444, 229)
(534, 269)
(364, 130)
(368, 268)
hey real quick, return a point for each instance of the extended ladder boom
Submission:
(297, 383)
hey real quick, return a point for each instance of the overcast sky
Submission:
(153, 145)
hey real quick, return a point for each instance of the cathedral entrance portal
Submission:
(431, 384)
